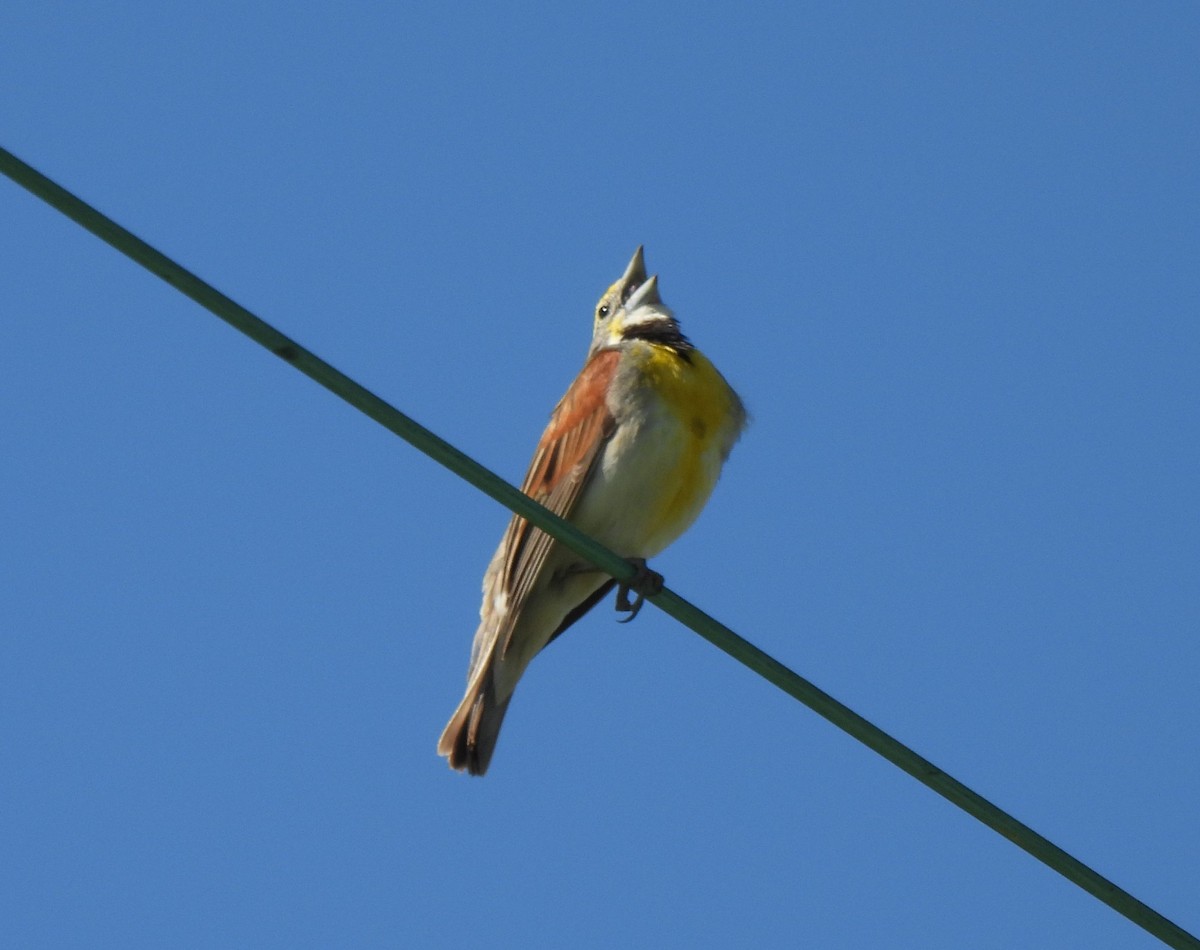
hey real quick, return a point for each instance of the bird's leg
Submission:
(646, 583)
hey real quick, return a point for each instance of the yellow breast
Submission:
(677, 420)
(709, 417)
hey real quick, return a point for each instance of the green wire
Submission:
(716, 633)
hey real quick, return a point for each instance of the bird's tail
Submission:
(470, 737)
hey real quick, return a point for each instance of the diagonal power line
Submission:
(686, 613)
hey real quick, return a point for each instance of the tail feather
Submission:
(470, 737)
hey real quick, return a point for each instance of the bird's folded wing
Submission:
(579, 427)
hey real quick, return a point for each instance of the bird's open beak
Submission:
(636, 288)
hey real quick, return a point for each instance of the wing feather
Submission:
(579, 427)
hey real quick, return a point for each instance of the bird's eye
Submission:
(603, 311)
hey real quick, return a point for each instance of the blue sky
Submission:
(948, 255)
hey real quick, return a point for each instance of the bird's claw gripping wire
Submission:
(646, 583)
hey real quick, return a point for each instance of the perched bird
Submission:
(630, 456)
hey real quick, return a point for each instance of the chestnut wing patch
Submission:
(579, 427)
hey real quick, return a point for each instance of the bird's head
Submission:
(632, 309)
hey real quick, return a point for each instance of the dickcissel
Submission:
(630, 456)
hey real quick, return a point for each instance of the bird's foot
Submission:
(646, 583)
